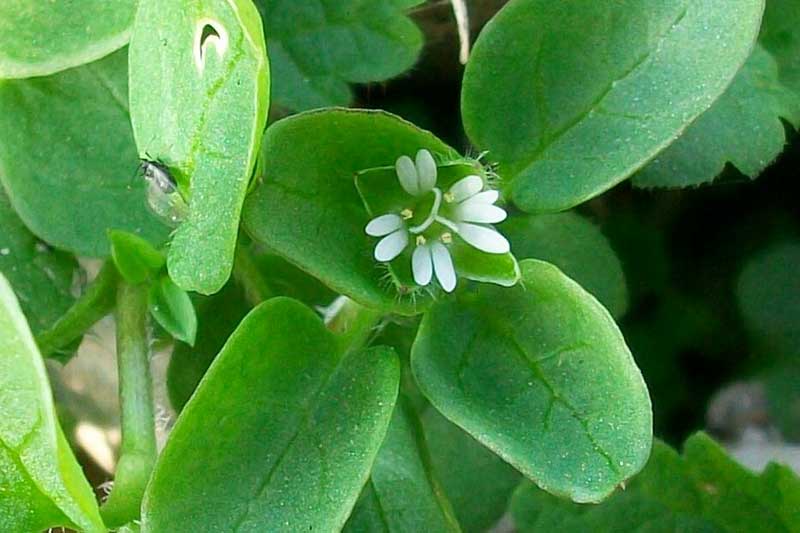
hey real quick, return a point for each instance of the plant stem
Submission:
(353, 323)
(246, 272)
(138, 451)
(95, 303)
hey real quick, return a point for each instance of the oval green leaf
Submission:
(318, 47)
(41, 277)
(136, 259)
(767, 292)
(41, 38)
(541, 375)
(702, 491)
(402, 493)
(42, 484)
(308, 208)
(578, 248)
(755, 102)
(199, 98)
(67, 158)
(573, 98)
(173, 309)
(477, 482)
(281, 433)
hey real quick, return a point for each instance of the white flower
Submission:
(466, 210)
(469, 207)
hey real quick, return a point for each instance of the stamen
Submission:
(407, 214)
(447, 237)
(420, 240)
(449, 198)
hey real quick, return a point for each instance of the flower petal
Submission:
(443, 265)
(421, 265)
(426, 171)
(391, 246)
(471, 211)
(384, 225)
(407, 174)
(466, 187)
(485, 239)
(485, 197)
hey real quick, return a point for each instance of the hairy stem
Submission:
(95, 303)
(138, 451)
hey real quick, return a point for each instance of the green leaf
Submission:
(780, 35)
(172, 308)
(703, 491)
(317, 47)
(765, 90)
(308, 209)
(402, 493)
(296, 427)
(41, 277)
(783, 397)
(541, 375)
(42, 483)
(285, 279)
(67, 159)
(578, 248)
(754, 103)
(40, 38)
(217, 318)
(767, 292)
(573, 98)
(477, 482)
(201, 115)
(136, 259)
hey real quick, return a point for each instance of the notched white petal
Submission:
(422, 265)
(480, 212)
(407, 174)
(465, 188)
(443, 266)
(485, 197)
(384, 225)
(391, 246)
(426, 171)
(485, 239)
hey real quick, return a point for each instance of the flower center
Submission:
(432, 216)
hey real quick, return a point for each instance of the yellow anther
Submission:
(449, 198)
(420, 240)
(407, 214)
(447, 237)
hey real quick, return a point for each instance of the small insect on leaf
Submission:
(163, 196)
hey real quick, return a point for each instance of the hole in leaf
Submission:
(208, 33)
